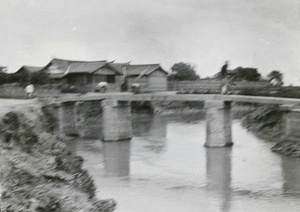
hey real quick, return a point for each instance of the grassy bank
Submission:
(37, 172)
(268, 123)
(287, 92)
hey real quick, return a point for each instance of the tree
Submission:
(242, 74)
(4, 77)
(247, 74)
(275, 77)
(3, 69)
(183, 71)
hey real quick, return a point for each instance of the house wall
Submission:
(109, 78)
(89, 81)
(142, 81)
(52, 69)
(157, 81)
(105, 71)
(77, 79)
(112, 87)
(106, 74)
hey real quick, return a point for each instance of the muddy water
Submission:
(165, 167)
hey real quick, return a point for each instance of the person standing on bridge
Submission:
(224, 78)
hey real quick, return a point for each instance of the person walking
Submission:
(224, 78)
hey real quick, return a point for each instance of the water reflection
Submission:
(168, 153)
(218, 171)
(153, 131)
(149, 126)
(291, 175)
(116, 158)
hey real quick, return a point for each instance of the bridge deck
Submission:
(177, 97)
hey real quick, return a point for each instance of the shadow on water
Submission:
(218, 172)
(117, 158)
(291, 176)
(148, 126)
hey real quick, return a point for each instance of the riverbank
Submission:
(37, 171)
(268, 123)
(171, 108)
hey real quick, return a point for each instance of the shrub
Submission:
(73, 89)
(288, 92)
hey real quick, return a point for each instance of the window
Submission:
(90, 79)
(111, 79)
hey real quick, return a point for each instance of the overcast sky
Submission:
(263, 34)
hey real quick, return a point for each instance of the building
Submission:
(82, 73)
(151, 77)
(24, 73)
(90, 73)
(27, 70)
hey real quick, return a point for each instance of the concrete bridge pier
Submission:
(292, 121)
(117, 120)
(66, 114)
(218, 124)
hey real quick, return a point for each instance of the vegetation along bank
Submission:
(37, 172)
(268, 122)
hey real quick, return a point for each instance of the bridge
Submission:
(117, 112)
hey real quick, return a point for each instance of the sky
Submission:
(263, 34)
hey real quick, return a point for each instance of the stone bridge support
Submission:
(117, 120)
(292, 124)
(218, 124)
(67, 116)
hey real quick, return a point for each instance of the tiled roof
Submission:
(72, 66)
(85, 67)
(30, 69)
(65, 64)
(58, 68)
(133, 70)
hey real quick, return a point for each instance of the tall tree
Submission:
(183, 71)
(247, 74)
(276, 77)
(240, 74)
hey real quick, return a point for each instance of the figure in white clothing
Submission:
(29, 89)
(101, 87)
(136, 88)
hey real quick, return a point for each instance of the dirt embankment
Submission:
(268, 123)
(36, 171)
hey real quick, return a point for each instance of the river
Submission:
(165, 167)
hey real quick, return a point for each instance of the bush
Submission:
(206, 91)
(68, 89)
(37, 171)
(73, 89)
(287, 92)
